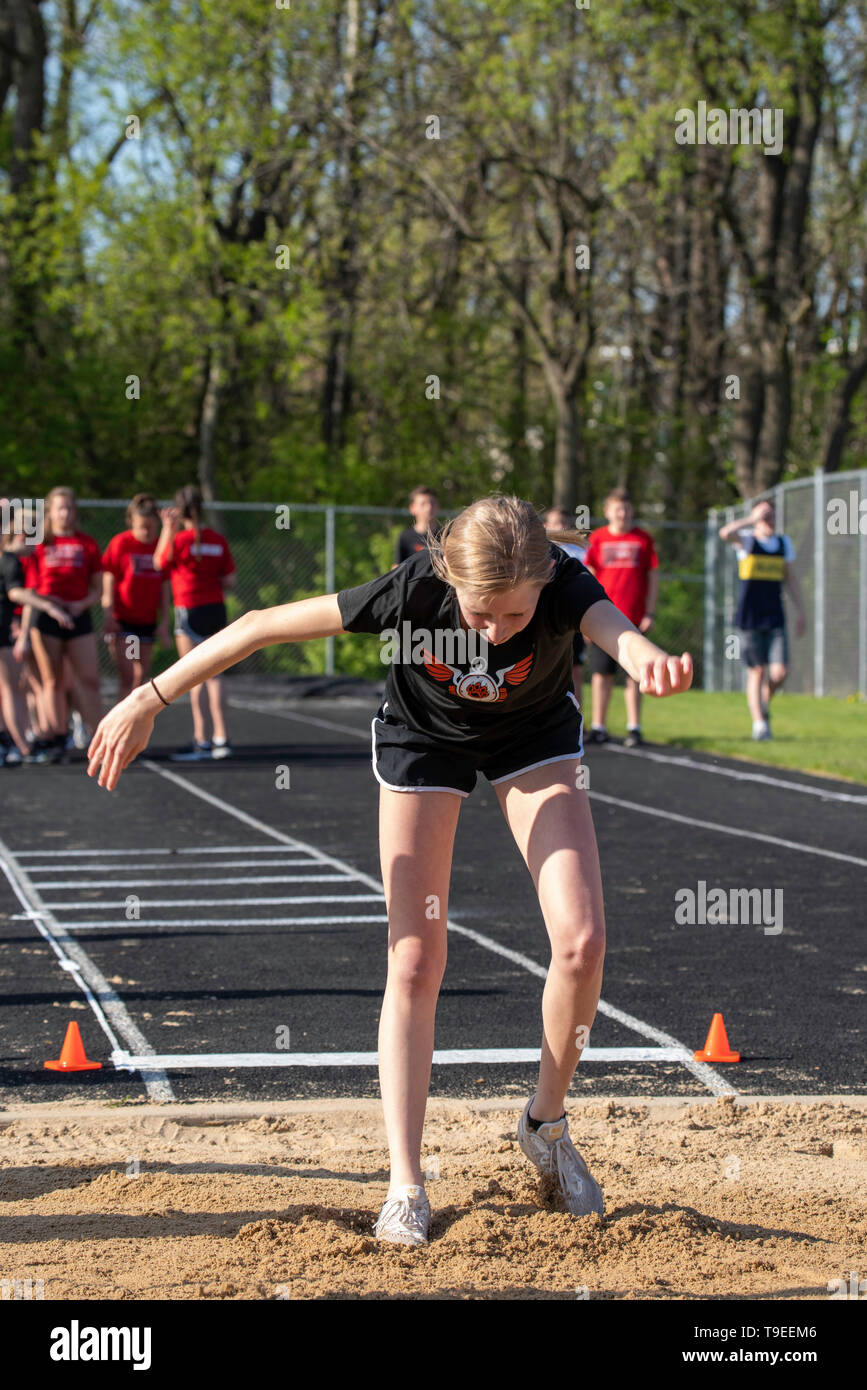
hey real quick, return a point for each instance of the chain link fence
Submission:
(327, 548)
(822, 516)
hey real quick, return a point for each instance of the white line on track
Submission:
(455, 1057)
(130, 927)
(73, 958)
(700, 1070)
(219, 902)
(744, 776)
(693, 821)
(182, 882)
(138, 853)
(156, 868)
(300, 718)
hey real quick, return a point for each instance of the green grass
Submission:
(825, 736)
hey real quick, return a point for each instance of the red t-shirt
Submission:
(196, 577)
(622, 563)
(138, 585)
(62, 567)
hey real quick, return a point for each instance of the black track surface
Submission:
(793, 1003)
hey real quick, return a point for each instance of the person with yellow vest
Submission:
(764, 566)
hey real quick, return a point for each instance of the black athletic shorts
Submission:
(201, 622)
(145, 632)
(578, 649)
(407, 760)
(601, 664)
(49, 627)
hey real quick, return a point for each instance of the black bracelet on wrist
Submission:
(165, 702)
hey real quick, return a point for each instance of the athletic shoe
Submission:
(405, 1217)
(38, 750)
(761, 731)
(633, 739)
(12, 757)
(552, 1151)
(80, 736)
(597, 735)
(56, 749)
(221, 748)
(191, 752)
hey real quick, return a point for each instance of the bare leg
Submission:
(633, 703)
(198, 700)
(82, 656)
(551, 822)
(416, 831)
(48, 652)
(602, 687)
(217, 702)
(12, 703)
(755, 675)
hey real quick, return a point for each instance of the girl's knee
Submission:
(582, 953)
(416, 970)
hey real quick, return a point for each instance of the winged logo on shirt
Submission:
(477, 684)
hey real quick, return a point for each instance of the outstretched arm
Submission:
(127, 728)
(657, 673)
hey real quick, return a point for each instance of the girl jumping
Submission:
(510, 714)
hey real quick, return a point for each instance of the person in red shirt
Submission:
(623, 559)
(66, 567)
(134, 595)
(199, 563)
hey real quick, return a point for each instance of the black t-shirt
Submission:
(411, 541)
(11, 577)
(458, 703)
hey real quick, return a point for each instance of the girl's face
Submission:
(144, 528)
(62, 515)
(501, 616)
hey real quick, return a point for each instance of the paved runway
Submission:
(219, 937)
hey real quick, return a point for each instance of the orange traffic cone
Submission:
(72, 1055)
(716, 1048)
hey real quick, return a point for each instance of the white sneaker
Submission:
(221, 748)
(405, 1217)
(761, 730)
(80, 737)
(551, 1149)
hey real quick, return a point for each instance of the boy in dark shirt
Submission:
(423, 505)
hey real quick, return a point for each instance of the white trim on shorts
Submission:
(560, 758)
(454, 790)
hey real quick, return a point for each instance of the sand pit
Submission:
(703, 1200)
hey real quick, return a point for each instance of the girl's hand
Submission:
(667, 675)
(171, 518)
(64, 614)
(120, 736)
(646, 623)
(163, 635)
(109, 624)
(21, 648)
